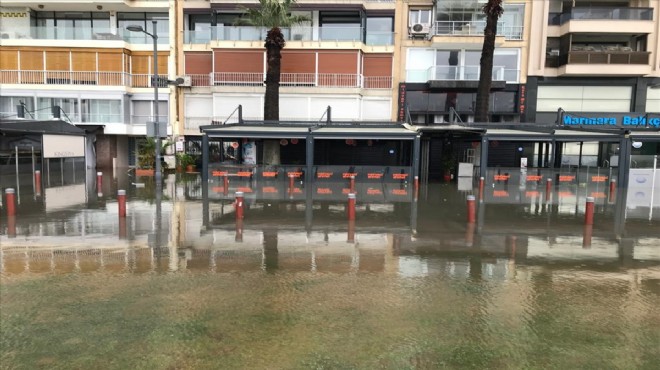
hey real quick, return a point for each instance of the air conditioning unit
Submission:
(420, 29)
(184, 81)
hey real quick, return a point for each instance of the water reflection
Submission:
(294, 283)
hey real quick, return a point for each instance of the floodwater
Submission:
(410, 284)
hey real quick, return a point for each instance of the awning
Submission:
(551, 135)
(339, 132)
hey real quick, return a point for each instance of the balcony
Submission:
(325, 80)
(76, 78)
(604, 20)
(80, 34)
(621, 62)
(460, 73)
(476, 28)
(247, 33)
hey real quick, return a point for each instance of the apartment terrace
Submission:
(87, 78)
(476, 28)
(326, 80)
(325, 33)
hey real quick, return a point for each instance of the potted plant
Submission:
(449, 167)
(146, 158)
(187, 161)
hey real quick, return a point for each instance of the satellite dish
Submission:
(637, 144)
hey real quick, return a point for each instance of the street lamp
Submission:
(154, 81)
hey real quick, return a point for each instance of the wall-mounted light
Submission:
(41, 6)
(99, 7)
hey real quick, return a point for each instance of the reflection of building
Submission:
(79, 57)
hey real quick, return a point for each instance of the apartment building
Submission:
(77, 60)
(593, 59)
(440, 53)
(343, 58)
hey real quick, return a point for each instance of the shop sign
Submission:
(611, 120)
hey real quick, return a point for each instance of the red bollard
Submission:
(239, 230)
(351, 206)
(469, 234)
(291, 184)
(122, 228)
(99, 184)
(225, 186)
(589, 211)
(548, 190)
(351, 232)
(471, 209)
(10, 200)
(11, 226)
(416, 184)
(482, 183)
(586, 236)
(352, 184)
(239, 205)
(37, 183)
(612, 196)
(121, 201)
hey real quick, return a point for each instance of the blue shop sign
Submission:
(619, 120)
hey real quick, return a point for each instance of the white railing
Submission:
(64, 78)
(295, 79)
(476, 28)
(325, 33)
(80, 33)
(460, 73)
(76, 78)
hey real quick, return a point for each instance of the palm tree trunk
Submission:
(274, 44)
(486, 62)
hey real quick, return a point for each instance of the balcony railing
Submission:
(460, 73)
(327, 33)
(81, 34)
(607, 13)
(293, 79)
(605, 57)
(76, 78)
(143, 119)
(476, 28)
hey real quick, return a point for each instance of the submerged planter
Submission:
(144, 172)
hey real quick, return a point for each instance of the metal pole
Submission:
(18, 182)
(155, 82)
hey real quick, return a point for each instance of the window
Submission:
(125, 19)
(68, 108)
(419, 16)
(460, 65)
(8, 105)
(70, 25)
(100, 110)
(341, 26)
(379, 30)
(143, 111)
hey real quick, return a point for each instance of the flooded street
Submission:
(181, 283)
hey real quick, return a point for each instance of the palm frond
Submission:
(271, 14)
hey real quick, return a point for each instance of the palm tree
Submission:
(272, 14)
(493, 10)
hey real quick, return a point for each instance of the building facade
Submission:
(77, 61)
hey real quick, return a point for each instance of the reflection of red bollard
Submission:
(511, 245)
(225, 185)
(472, 209)
(352, 184)
(10, 199)
(351, 206)
(589, 211)
(291, 184)
(121, 201)
(99, 183)
(240, 203)
(586, 236)
(37, 183)
(612, 196)
(548, 190)
(351, 231)
(416, 184)
(239, 230)
(469, 234)
(11, 226)
(482, 183)
(122, 228)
